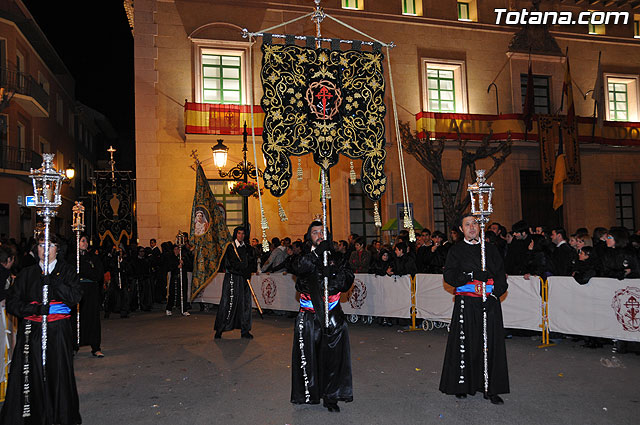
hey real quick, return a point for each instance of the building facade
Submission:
(452, 66)
(39, 114)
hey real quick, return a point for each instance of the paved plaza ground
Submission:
(170, 370)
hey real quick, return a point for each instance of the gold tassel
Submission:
(376, 215)
(281, 213)
(265, 226)
(352, 173)
(412, 234)
(407, 221)
(299, 169)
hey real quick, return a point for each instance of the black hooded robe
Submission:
(463, 369)
(321, 359)
(55, 402)
(234, 311)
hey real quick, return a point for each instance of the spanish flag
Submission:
(567, 91)
(560, 175)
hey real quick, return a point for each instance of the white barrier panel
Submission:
(370, 295)
(433, 302)
(276, 291)
(211, 293)
(607, 308)
(521, 306)
(381, 296)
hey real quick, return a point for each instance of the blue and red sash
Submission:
(307, 305)
(57, 311)
(474, 288)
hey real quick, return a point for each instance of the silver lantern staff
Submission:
(180, 243)
(47, 182)
(78, 227)
(317, 17)
(481, 208)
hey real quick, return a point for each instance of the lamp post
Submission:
(47, 182)
(240, 173)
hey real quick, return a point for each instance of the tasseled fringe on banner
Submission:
(352, 173)
(299, 172)
(376, 215)
(265, 226)
(281, 213)
(408, 224)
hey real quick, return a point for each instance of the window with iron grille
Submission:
(221, 79)
(361, 214)
(541, 98)
(439, 218)
(625, 213)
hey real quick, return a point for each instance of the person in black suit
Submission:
(563, 257)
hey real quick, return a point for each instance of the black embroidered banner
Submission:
(114, 206)
(325, 102)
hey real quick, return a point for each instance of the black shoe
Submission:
(332, 406)
(218, 335)
(246, 335)
(461, 396)
(494, 399)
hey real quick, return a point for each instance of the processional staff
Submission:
(481, 208)
(318, 17)
(180, 244)
(47, 182)
(78, 227)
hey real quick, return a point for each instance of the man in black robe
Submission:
(177, 270)
(30, 398)
(234, 311)
(91, 276)
(463, 370)
(321, 360)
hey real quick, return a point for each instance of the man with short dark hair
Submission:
(563, 256)
(463, 369)
(277, 257)
(516, 258)
(53, 400)
(321, 367)
(234, 311)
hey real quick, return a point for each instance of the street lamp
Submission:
(70, 172)
(240, 173)
(219, 152)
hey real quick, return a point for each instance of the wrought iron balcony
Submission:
(13, 158)
(27, 91)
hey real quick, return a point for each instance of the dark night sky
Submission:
(95, 43)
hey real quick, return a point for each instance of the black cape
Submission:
(463, 369)
(321, 358)
(57, 401)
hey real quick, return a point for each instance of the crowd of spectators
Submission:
(527, 250)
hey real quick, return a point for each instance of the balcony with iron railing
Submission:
(26, 91)
(12, 158)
